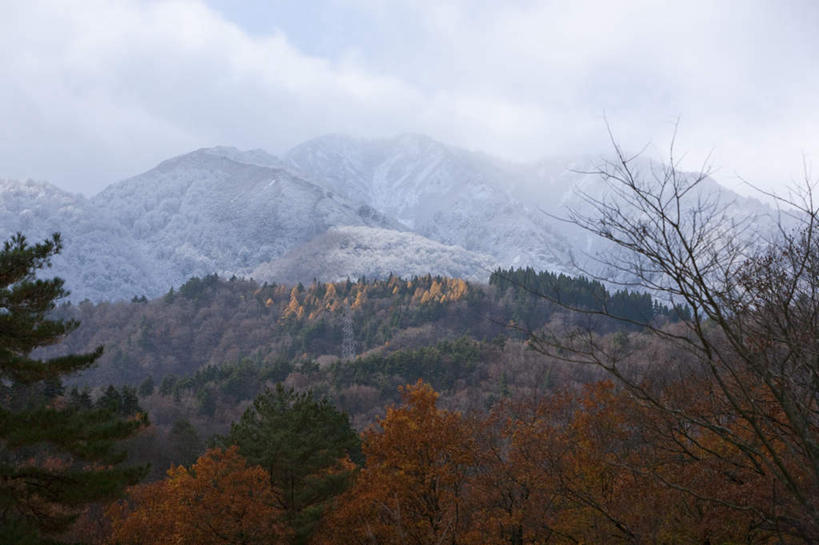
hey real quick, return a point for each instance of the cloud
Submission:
(93, 91)
(105, 86)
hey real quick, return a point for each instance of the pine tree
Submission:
(55, 456)
(306, 446)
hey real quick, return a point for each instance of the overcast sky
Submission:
(94, 91)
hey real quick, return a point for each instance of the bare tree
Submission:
(752, 342)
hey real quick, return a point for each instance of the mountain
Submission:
(100, 259)
(446, 194)
(331, 207)
(192, 215)
(355, 252)
(207, 212)
(509, 211)
(577, 187)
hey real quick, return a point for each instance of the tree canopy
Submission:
(305, 445)
(55, 457)
(220, 500)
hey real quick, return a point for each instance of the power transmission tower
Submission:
(348, 338)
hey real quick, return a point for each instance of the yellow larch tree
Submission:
(293, 308)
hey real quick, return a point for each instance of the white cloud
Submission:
(92, 91)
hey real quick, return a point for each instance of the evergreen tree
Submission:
(80, 399)
(130, 402)
(111, 400)
(55, 457)
(305, 445)
(184, 443)
(147, 386)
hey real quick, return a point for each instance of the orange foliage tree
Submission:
(597, 467)
(594, 466)
(220, 500)
(413, 488)
(750, 337)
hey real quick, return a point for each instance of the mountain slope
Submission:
(355, 252)
(100, 259)
(446, 194)
(204, 212)
(508, 211)
(196, 214)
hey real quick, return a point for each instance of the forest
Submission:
(202, 352)
(538, 408)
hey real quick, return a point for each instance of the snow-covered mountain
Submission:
(567, 186)
(199, 213)
(508, 211)
(206, 212)
(100, 259)
(353, 252)
(450, 195)
(331, 207)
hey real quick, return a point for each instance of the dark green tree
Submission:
(55, 456)
(166, 387)
(300, 441)
(130, 402)
(80, 399)
(111, 399)
(146, 387)
(184, 443)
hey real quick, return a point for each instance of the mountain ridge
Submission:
(228, 211)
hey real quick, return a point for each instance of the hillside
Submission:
(216, 342)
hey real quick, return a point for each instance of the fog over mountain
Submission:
(332, 207)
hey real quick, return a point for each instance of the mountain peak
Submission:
(32, 189)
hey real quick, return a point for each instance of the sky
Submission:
(94, 91)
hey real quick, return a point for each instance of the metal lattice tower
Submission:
(348, 337)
